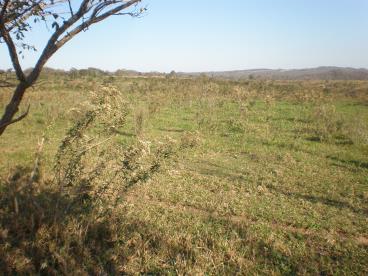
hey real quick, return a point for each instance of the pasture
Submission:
(191, 176)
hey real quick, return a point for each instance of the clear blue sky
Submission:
(206, 35)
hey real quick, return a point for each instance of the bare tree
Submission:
(67, 17)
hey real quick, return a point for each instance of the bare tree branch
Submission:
(13, 121)
(5, 6)
(70, 8)
(12, 52)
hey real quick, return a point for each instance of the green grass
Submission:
(275, 189)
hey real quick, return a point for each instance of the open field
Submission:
(215, 177)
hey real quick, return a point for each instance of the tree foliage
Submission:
(64, 18)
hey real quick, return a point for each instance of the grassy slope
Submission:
(264, 190)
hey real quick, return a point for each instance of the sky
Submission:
(217, 35)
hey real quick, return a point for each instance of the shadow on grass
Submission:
(355, 163)
(314, 139)
(286, 146)
(265, 255)
(47, 231)
(171, 130)
(337, 140)
(319, 199)
(343, 140)
(317, 258)
(208, 168)
(292, 120)
(123, 133)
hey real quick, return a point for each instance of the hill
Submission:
(319, 73)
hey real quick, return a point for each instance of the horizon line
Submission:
(196, 72)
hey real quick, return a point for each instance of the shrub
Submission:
(70, 224)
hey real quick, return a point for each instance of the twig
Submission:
(96, 145)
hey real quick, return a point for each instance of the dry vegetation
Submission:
(186, 176)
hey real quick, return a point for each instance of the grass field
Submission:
(218, 177)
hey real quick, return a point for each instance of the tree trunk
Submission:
(13, 107)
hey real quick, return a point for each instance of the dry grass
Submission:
(187, 176)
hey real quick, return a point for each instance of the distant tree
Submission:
(172, 74)
(67, 18)
(73, 73)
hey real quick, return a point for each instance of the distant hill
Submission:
(319, 73)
